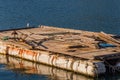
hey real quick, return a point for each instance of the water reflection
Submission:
(26, 67)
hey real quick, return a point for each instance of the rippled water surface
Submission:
(92, 15)
(7, 74)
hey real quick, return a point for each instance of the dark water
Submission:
(92, 15)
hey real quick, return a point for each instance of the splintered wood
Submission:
(82, 44)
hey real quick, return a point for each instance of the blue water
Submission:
(7, 74)
(92, 15)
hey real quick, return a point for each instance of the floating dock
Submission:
(88, 53)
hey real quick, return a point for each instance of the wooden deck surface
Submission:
(77, 43)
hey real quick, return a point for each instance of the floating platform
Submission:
(80, 51)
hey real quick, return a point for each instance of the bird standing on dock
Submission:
(28, 25)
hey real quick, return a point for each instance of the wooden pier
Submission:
(75, 50)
